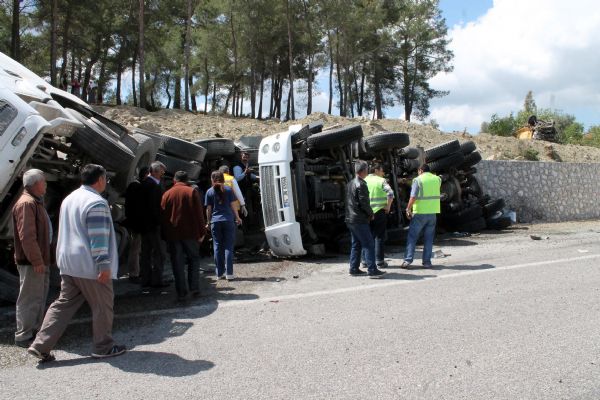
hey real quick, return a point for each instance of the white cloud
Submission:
(547, 46)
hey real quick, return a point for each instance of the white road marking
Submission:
(381, 283)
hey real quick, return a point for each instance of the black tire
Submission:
(498, 223)
(473, 187)
(470, 160)
(387, 140)
(468, 147)
(495, 205)
(484, 199)
(472, 226)
(442, 150)
(217, 147)
(156, 137)
(444, 164)
(174, 164)
(411, 165)
(335, 137)
(145, 154)
(9, 286)
(450, 189)
(410, 153)
(102, 147)
(463, 216)
(183, 149)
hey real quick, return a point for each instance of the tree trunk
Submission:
(311, 58)
(330, 74)
(133, 91)
(15, 37)
(291, 61)
(273, 87)
(188, 39)
(235, 54)
(119, 76)
(192, 94)
(289, 102)
(362, 90)
(252, 93)
(53, 27)
(206, 86)
(141, 56)
(152, 101)
(167, 85)
(65, 44)
(262, 86)
(177, 94)
(89, 65)
(279, 98)
(213, 106)
(339, 77)
(102, 76)
(377, 89)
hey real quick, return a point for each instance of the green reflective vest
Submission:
(377, 196)
(428, 195)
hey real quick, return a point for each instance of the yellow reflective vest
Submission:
(428, 195)
(377, 196)
(229, 182)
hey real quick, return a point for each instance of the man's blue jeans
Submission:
(420, 223)
(362, 243)
(223, 234)
(183, 251)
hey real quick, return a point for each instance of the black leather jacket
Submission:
(358, 207)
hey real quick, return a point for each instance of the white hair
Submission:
(224, 169)
(156, 166)
(32, 176)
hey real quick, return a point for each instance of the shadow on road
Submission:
(142, 362)
(406, 277)
(462, 267)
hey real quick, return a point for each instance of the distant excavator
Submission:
(537, 129)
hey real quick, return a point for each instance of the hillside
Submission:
(194, 126)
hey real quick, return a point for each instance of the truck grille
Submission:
(269, 196)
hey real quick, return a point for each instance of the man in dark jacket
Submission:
(151, 258)
(134, 222)
(183, 229)
(358, 215)
(33, 234)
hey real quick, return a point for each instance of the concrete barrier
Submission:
(544, 191)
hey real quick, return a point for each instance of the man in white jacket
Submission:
(88, 260)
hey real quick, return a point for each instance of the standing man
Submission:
(422, 210)
(88, 259)
(151, 258)
(230, 181)
(358, 216)
(381, 197)
(246, 178)
(32, 235)
(135, 222)
(184, 229)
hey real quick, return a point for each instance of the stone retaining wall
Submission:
(544, 191)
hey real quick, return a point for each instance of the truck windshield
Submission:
(7, 114)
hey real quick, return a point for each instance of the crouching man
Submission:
(87, 257)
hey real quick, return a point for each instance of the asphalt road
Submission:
(501, 317)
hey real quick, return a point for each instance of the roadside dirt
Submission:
(195, 126)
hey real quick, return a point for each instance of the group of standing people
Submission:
(368, 201)
(92, 88)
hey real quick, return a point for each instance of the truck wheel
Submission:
(468, 147)
(102, 147)
(449, 161)
(411, 165)
(473, 226)
(410, 153)
(498, 223)
(387, 140)
(470, 160)
(493, 206)
(145, 154)
(156, 137)
(217, 147)
(442, 150)
(9, 286)
(183, 149)
(335, 137)
(174, 164)
(463, 216)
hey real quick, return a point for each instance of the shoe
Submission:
(116, 350)
(220, 276)
(196, 294)
(383, 264)
(229, 277)
(357, 272)
(376, 274)
(405, 265)
(135, 279)
(24, 343)
(427, 266)
(182, 299)
(43, 357)
(160, 286)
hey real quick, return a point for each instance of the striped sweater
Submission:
(86, 238)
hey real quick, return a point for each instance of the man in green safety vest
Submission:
(381, 197)
(422, 210)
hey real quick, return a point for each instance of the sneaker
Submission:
(43, 357)
(357, 272)
(376, 274)
(405, 265)
(229, 277)
(382, 264)
(220, 276)
(427, 266)
(116, 350)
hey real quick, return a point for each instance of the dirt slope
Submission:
(194, 126)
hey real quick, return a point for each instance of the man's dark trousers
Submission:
(151, 258)
(362, 243)
(182, 252)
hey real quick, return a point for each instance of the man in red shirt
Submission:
(184, 229)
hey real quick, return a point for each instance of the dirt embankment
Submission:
(195, 126)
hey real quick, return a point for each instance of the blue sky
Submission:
(462, 11)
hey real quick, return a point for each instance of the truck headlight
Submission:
(19, 137)
(276, 147)
(265, 149)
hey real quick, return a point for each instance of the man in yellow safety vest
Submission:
(381, 197)
(422, 210)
